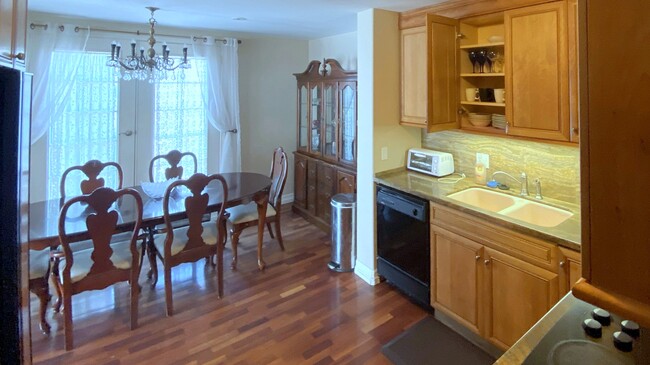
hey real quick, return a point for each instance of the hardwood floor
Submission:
(295, 312)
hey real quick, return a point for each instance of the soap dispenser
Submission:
(480, 173)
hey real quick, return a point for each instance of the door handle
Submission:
(127, 133)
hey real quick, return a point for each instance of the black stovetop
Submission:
(568, 343)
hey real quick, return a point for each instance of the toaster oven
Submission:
(430, 162)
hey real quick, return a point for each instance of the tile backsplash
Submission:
(557, 166)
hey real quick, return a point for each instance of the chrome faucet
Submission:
(523, 181)
(538, 189)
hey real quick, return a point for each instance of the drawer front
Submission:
(521, 246)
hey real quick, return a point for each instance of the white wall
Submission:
(379, 87)
(341, 47)
(268, 101)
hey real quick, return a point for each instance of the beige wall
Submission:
(341, 47)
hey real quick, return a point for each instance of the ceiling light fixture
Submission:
(150, 66)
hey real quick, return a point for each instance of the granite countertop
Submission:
(566, 234)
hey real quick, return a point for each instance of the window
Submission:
(180, 120)
(87, 126)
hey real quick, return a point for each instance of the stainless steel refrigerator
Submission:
(15, 114)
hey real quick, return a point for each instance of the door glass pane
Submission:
(303, 108)
(315, 119)
(329, 117)
(348, 123)
(84, 123)
(180, 121)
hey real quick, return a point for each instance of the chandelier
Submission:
(149, 67)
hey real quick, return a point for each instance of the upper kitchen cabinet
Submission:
(429, 75)
(517, 65)
(537, 85)
(13, 20)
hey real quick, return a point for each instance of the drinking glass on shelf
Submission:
(481, 57)
(491, 56)
(473, 58)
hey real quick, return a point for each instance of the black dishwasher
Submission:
(403, 242)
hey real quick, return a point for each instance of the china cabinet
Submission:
(325, 160)
(13, 20)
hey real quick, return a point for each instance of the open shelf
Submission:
(490, 74)
(483, 45)
(482, 103)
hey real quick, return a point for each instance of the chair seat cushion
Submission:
(39, 262)
(121, 259)
(210, 235)
(247, 213)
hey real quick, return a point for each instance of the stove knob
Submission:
(592, 328)
(602, 316)
(631, 328)
(623, 341)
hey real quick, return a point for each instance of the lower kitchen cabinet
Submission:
(517, 294)
(315, 182)
(456, 274)
(570, 269)
(494, 281)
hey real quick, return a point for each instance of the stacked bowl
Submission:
(479, 119)
(499, 121)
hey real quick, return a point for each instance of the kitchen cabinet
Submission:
(494, 281)
(537, 83)
(570, 269)
(325, 159)
(534, 60)
(13, 21)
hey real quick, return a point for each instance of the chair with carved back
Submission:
(109, 260)
(245, 215)
(91, 171)
(173, 158)
(199, 239)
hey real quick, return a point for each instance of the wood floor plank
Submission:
(295, 312)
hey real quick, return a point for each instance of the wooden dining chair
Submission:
(91, 169)
(245, 215)
(39, 272)
(198, 240)
(108, 261)
(173, 158)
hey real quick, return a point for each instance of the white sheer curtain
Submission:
(222, 97)
(49, 100)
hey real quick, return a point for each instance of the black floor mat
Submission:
(431, 342)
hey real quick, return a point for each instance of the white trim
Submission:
(368, 275)
(287, 198)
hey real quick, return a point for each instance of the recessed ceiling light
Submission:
(239, 18)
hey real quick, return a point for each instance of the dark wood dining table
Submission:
(243, 187)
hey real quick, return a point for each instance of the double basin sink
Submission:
(513, 207)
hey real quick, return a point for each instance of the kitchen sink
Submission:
(484, 199)
(524, 210)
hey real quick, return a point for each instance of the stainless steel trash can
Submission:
(344, 232)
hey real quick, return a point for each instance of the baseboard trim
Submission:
(287, 198)
(368, 275)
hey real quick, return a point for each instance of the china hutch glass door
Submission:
(303, 117)
(315, 115)
(330, 121)
(348, 122)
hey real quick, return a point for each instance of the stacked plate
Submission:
(499, 121)
(479, 119)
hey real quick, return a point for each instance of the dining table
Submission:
(243, 188)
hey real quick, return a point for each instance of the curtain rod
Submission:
(137, 32)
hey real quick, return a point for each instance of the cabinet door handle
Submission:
(561, 263)
(486, 262)
(478, 257)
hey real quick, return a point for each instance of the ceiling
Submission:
(303, 19)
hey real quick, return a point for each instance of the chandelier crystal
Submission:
(149, 67)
